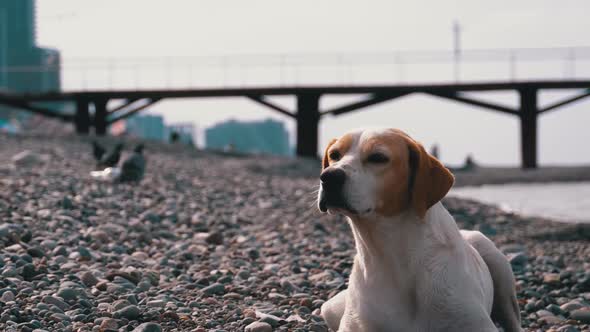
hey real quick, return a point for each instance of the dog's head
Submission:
(380, 172)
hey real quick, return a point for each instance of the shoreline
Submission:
(506, 175)
(567, 202)
(480, 175)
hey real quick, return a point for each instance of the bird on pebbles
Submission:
(133, 167)
(112, 158)
(98, 151)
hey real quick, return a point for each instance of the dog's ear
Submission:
(429, 179)
(326, 159)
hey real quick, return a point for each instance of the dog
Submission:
(414, 270)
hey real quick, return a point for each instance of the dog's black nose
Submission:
(332, 179)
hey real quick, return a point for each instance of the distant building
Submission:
(24, 67)
(268, 137)
(146, 126)
(152, 127)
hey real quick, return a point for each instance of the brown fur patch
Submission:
(326, 159)
(432, 180)
(342, 145)
(392, 192)
(401, 187)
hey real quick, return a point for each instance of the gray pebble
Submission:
(109, 324)
(156, 304)
(84, 253)
(273, 320)
(29, 271)
(88, 279)
(56, 302)
(130, 312)
(215, 288)
(517, 259)
(58, 317)
(258, 327)
(7, 296)
(68, 294)
(571, 305)
(318, 328)
(148, 327)
(35, 252)
(582, 315)
(512, 248)
(119, 304)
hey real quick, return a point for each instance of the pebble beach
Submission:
(212, 242)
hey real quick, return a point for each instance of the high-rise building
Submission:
(3, 47)
(24, 67)
(19, 19)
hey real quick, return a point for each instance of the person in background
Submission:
(174, 137)
(434, 151)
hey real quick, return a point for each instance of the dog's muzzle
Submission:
(331, 195)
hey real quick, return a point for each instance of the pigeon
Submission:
(133, 166)
(111, 159)
(97, 150)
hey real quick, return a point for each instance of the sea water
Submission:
(563, 201)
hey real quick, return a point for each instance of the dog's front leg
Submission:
(333, 310)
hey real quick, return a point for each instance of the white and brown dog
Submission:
(414, 269)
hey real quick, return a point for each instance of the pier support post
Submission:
(528, 127)
(308, 118)
(82, 117)
(100, 116)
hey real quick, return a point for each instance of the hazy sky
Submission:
(130, 28)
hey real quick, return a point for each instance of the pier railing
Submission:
(360, 68)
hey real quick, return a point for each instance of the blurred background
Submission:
(114, 45)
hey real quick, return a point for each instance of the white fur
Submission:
(416, 275)
(360, 186)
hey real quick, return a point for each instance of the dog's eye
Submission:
(335, 155)
(377, 158)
